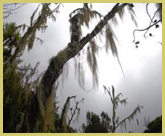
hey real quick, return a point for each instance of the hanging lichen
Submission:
(110, 41)
(49, 116)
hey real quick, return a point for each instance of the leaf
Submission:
(138, 42)
(40, 40)
(120, 94)
(156, 26)
(155, 20)
(124, 101)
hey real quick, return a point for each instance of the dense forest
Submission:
(30, 98)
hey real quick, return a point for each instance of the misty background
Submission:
(142, 66)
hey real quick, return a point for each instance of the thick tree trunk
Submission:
(56, 64)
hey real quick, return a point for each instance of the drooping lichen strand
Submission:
(49, 116)
(110, 41)
(92, 61)
(30, 35)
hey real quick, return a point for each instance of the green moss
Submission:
(57, 61)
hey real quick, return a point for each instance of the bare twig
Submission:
(148, 11)
(160, 42)
(74, 112)
(64, 114)
(151, 21)
(9, 9)
(56, 9)
(145, 29)
(151, 24)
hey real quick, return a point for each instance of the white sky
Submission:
(142, 83)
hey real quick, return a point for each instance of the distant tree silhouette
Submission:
(105, 124)
(154, 126)
(96, 124)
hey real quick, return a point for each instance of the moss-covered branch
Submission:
(56, 64)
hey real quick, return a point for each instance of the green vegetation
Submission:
(95, 124)
(155, 126)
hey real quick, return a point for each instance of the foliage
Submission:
(14, 44)
(96, 124)
(18, 94)
(154, 126)
(11, 37)
(19, 86)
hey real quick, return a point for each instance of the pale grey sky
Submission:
(142, 83)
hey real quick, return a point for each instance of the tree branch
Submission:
(131, 115)
(64, 113)
(27, 37)
(151, 24)
(145, 29)
(148, 11)
(74, 112)
(53, 71)
(8, 10)
(151, 21)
